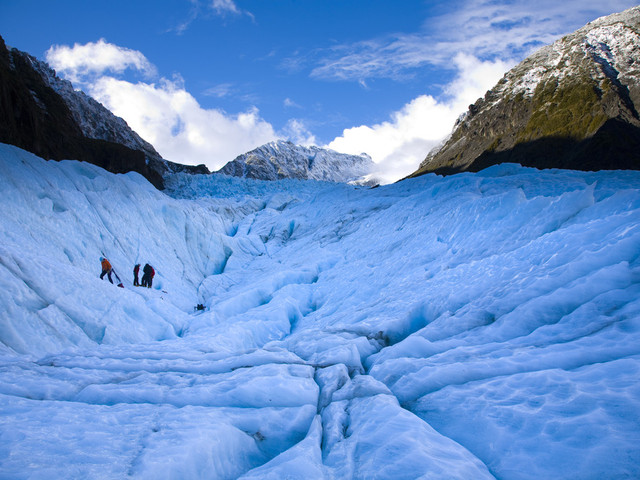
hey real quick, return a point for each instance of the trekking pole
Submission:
(119, 281)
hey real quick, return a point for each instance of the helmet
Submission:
(101, 259)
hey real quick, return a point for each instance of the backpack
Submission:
(147, 269)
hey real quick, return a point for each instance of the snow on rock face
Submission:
(610, 42)
(94, 120)
(475, 326)
(278, 160)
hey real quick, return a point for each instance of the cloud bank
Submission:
(161, 112)
(399, 145)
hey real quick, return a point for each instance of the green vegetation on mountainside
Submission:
(572, 111)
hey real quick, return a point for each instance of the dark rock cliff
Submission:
(38, 118)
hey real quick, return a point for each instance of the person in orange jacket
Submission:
(106, 269)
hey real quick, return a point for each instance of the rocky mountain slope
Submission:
(277, 160)
(43, 114)
(573, 104)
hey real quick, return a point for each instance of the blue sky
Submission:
(205, 81)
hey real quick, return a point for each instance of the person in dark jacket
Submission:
(106, 269)
(136, 270)
(148, 274)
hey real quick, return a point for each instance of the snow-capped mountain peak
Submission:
(283, 159)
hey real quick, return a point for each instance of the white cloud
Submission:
(162, 112)
(96, 58)
(181, 130)
(389, 57)
(486, 29)
(219, 91)
(204, 8)
(225, 6)
(290, 103)
(400, 144)
(297, 132)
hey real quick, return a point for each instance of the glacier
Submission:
(482, 325)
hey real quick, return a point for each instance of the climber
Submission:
(136, 270)
(106, 269)
(148, 274)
